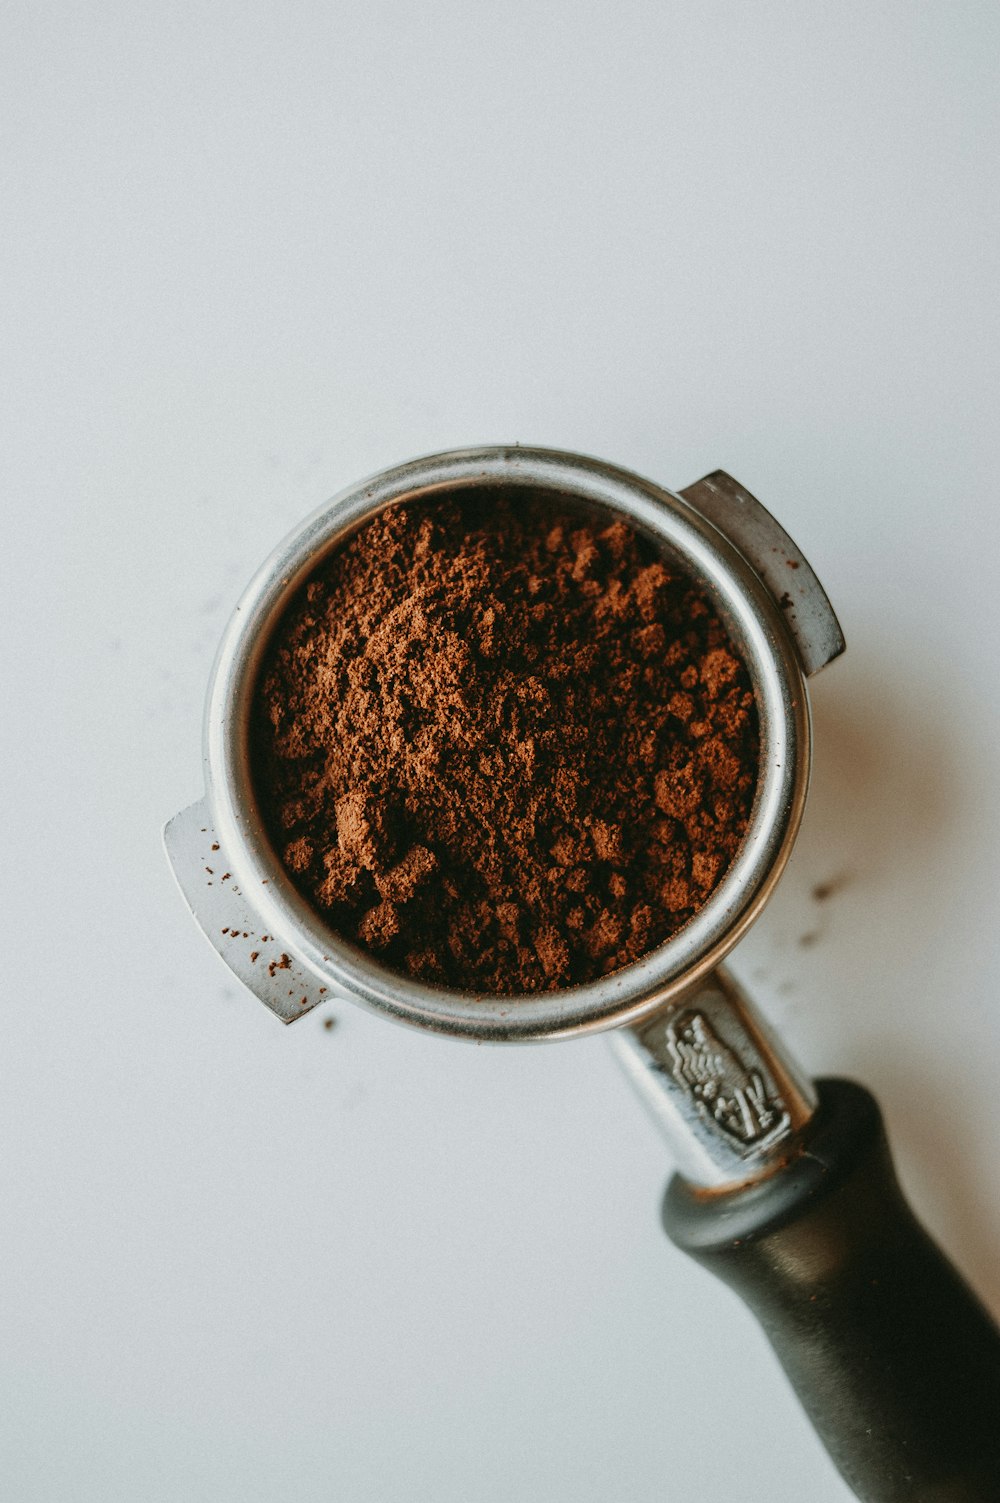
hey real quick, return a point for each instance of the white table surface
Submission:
(253, 252)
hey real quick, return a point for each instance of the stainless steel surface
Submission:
(254, 954)
(723, 1092)
(753, 618)
(779, 562)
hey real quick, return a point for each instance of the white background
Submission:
(253, 252)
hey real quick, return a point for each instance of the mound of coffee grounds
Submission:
(502, 745)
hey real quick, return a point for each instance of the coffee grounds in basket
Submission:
(503, 744)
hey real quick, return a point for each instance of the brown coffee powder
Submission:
(504, 745)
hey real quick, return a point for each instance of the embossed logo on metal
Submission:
(733, 1095)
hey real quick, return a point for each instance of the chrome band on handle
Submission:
(722, 1090)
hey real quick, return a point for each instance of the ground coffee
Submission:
(502, 744)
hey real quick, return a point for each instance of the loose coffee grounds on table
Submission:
(503, 743)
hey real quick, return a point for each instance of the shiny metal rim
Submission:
(627, 995)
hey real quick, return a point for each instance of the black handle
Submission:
(894, 1359)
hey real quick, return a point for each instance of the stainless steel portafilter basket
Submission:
(743, 1122)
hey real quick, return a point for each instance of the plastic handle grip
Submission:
(891, 1354)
